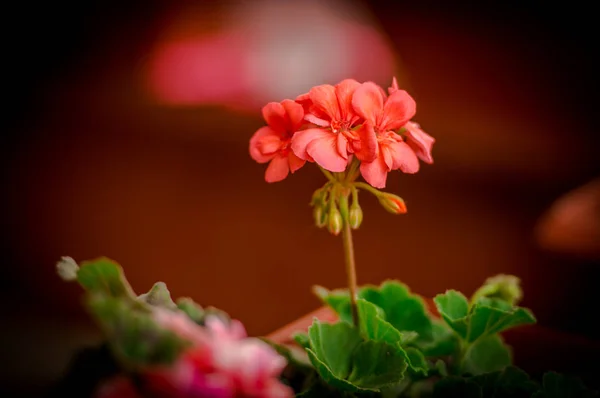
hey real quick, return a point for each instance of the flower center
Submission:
(339, 125)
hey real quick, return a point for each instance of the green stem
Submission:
(329, 176)
(367, 187)
(350, 268)
(353, 170)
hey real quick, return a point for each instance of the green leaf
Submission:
(302, 340)
(374, 327)
(494, 316)
(555, 385)
(132, 333)
(333, 345)
(377, 365)
(445, 342)
(158, 296)
(503, 287)
(487, 354)
(487, 316)
(104, 276)
(193, 310)
(338, 300)
(453, 306)
(403, 310)
(345, 361)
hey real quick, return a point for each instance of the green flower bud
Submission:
(320, 216)
(355, 217)
(335, 222)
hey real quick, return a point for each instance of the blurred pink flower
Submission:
(221, 363)
(272, 142)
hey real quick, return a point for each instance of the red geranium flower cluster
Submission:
(330, 125)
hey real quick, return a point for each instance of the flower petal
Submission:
(342, 146)
(419, 141)
(278, 169)
(399, 108)
(344, 91)
(302, 138)
(404, 157)
(375, 172)
(295, 114)
(325, 103)
(367, 102)
(394, 87)
(324, 151)
(309, 117)
(386, 153)
(295, 161)
(256, 147)
(366, 148)
(276, 116)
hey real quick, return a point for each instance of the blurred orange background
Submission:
(127, 130)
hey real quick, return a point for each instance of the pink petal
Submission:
(394, 87)
(398, 109)
(295, 114)
(269, 145)
(309, 117)
(386, 153)
(325, 103)
(276, 117)
(256, 147)
(375, 172)
(278, 169)
(366, 149)
(342, 146)
(419, 141)
(324, 151)
(295, 162)
(344, 91)
(404, 158)
(302, 138)
(367, 102)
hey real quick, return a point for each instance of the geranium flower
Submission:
(272, 142)
(384, 116)
(331, 143)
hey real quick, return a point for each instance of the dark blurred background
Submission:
(126, 129)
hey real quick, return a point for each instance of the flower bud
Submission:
(335, 222)
(392, 203)
(355, 217)
(320, 216)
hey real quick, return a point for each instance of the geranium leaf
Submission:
(158, 296)
(491, 316)
(104, 276)
(192, 309)
(445, 342)
(347, 362)
(377, 365)
(453, 306)
(132, 333)
(338, 300)
(487, 354)
(374, 327)
(403, 310)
